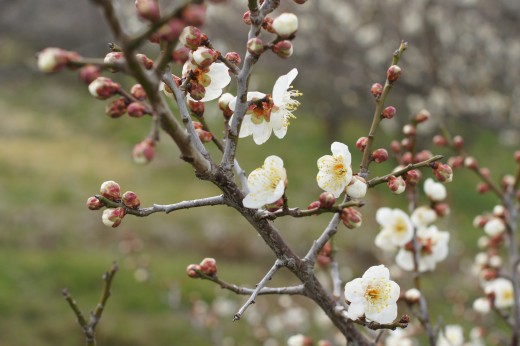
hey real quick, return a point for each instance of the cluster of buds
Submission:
(351, 217)
(207, 266)
(53, 59)
(135, 108)
(193, 15)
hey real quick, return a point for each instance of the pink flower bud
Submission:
(396, 184)
(351, 218)
(130, 200)
(223, 104)
(285, 24)
(203, 57)
(507, 180)
(407, 143)
(482, 188)
(196, 107)
(456, 161)
(233, 57)
(327, 200)
(409, 130)
(517, 156)
(388, 112)
(470, 162)
(88, 73)
(103, 88)
(485, 172)
(443, 173)
(284, 49)
(412, 177)
(148, 9)
(406, 158)
(267, 25)
(361, 143)
(246, 18)
(194, 15)
(204, 136)
(480, 221)
(192, 271)
(171, 30)
(422, 116)
(423, 155)
(442, 209)
(111, 190)
(181, 55)
(324, 256)
(197, 125)
(136, 109)
(314, 205)
(144, 151)
(116, 108)
(116, 58)
(380, 155)
(376, 89)
(458, 142)
(94, 204)
(272, 207)
(53, 59)
(255, 46)
(145, 61)
(138, 92)
(395, 147)
(112, 217)
(393, 73)
(440, 140)
(196, 90)
(208, 266)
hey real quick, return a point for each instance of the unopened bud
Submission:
(115, 58)
(88, 73)
(456, 161)
(103, 88)
(181, 55)
(112, 217)
(439, 140)
(204, 136)
(145, 61)
(422, 116)
(111, 190)
(351, 218)
(285, 24)
(443, 173)
(148, 9)
(196, 90)
(376, 89)
(388, 112)
(194, 14)
(517, 156)
(223, 104)
(423, 155)
(172, 30)
(203, 57)
(246, 18)
(314, 205)
(361, 143)
(196, 107)
(458, 142)
(327, 200)
(407, 143)
(406, 158)
(193, 271)
(442, 209)
(409, 130)
(470, 162)
(267, 25)
(393, 73)
(396, 184)
(116, 108)
(507, 181)
(413, 295)
(144, 151)
(138, 92)
(485, 172)
(94, 204)
(136, 109)
(54, 59)
(233, 57)
(357, 187)
(208, 266)
(284, 49)
(380, 155)
(395, 146)
(272, 207)
(130, 199)
(480, 221)
(482, 188)
(255, 46)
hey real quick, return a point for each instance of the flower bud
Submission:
(116, 108)
(233, 57)
(458, 142)
(130, 199)
(412, 177)
(323, 257)
(136, 109)
(440, 140)
(94, 204)
(376, 89)
(507, 181)
(88, 73)
(203, 57)
(284, 49)
(413, 295)
(194, 15)
(380, 155)
(494, 226)
(196, 107)
(145, 61)
(357, 187)
(112, 217)
(327, 200)
(204, 136)
(422, 155)
(192, 271)
(181, 55)
(272, 207)
(517, 156)
(480, 221)
(409, 130)
(396, 184)
(285, 24)
(443, 173)
(482, 188)
(314, 205)
(255, 46)
(267, 25)
(470, 162)
(299, 340)
(388, 112)
(103, 88)
(54, 59)
(407, 143)
(223, 104)
(442, 209)
(456, 161)
(406, 158)
(361, 143)
(351, 218)
(393, 73)
(482, 305)
(111, 190)
(485, 172)
(144, 151)
(138, 92)
(115, 58)
(208, 266)
(171, 31)
(395, 147)
(246, 18)
(148, 9)
(422, 116)
(196, 90)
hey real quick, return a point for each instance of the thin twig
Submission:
(297, 212)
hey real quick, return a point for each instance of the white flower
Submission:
(398, 337)
(357, 187)
(298, 340)
(482, 305)
(285, 24)
(435, 191)
(397, 229)
(433, 248)
(494, 227)
(423, 216)
(373, 295)
(451, 335)
(503, 291)
(275, 113)
(266, 184)
(335, 172)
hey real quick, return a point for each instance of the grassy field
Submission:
(58, 147)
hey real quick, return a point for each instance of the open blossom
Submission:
(273, 114)
(433, 248)
(503, 292)
(435, 191)
(451, 335)
(335, 172)
(266, 184)
(373, 295)
(397, 229)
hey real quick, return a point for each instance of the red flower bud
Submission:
(412, 177)
(138, 92)
(233, 57)
(55, 59)
(284, 49)
(361, 143)
(389, 112)
(194, 15)
(327, 200)
(458, 142)
(517, 156)
(208, 266)
(396, 184)
(196, 90)
(103, 88)
(395, 146)
(196, 107)
(456, 161)
(171, 30)
(246, 18)
(88, 73)
(470, 162)
(482, 188)
(439, 140)
(441, 209)
(407, 143)
(111, 190)
(130, 200)
(351, 218)
(485, 172)
(380, 155)
(406, 158)
(393, 73)
(181, 55)
(376, 89)
(267, 25)
(148, 9)
(204, 136)
(116, 58)
(116, 108)
(422, 116)
(112, 217)
(272, 207)
(314, 205)
(443, 173)
(136, 109)
(409, 130)
(203, 57)
(192, 271)
(145, 61)
(94, 204)
(423, 155)
(144, 151)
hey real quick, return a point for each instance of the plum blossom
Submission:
(503, 292)
(451, 335)
(273, 113)
(397, 229)
(494, 226)
(435, 191)
(357, 187)
(266, 184)
(433, 248)
(335, 172)
(423, 216)
(373, 295)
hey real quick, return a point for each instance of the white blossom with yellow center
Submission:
(397, 229)
(503, 292)
(335, 172)
(373, 295)
(266, 184)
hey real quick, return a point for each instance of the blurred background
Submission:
(463, 65)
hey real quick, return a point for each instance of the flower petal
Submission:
(246, 127)
(261, 132)
(384, 315)
(281, 85)
(379, 272)
(338, 149)
(355, 311)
